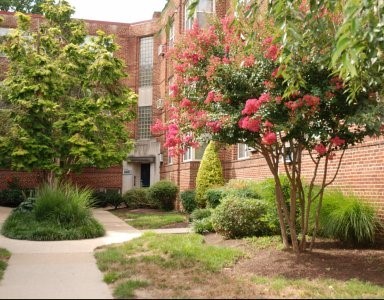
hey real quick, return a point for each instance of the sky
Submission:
(125, 11)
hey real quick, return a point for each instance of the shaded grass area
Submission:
(25, 226)
(4, 257)
(158, 260)
(185, 266)
(150, 220)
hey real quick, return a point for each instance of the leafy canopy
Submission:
(25, 6)
(69, 106)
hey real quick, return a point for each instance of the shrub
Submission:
(165, 193)
(237, 217)
(138, 198)
(347, 218)
(214, 196)
(203, 226)
(210, 173)
(188, 200)
(12, 196)
(200, 213)
(99, 199)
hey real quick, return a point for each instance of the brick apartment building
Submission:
(143, 47)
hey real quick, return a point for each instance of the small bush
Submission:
(203, 226)
(200, 213)
(237, 217)
(188, 200)
(27, 205)
(138, 198)
(114, 198)
(165, 193)
(346, 218)
(12, 196)
(99, 199)
(214, 196)
(210, 173)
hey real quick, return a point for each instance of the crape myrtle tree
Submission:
(230, 86)
(69, 107)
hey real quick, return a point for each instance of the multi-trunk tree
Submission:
(231, 86)
(69, 106)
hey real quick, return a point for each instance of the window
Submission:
(171, 35)
(170, 159)
(146, 61)
(203, 10)
(192, 154)
(242, 151)
(145, 121)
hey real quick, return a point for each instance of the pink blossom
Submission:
(249, 61)
(268, 124)
(174, 90)
(251, 107)
(215, 126)
(250, 124)
(158, 127)
(337, 141)
(185, 103)
(272, 52)
(268, 41)
(311, 100)
(269, 138)
(320, 149)
(210, 97)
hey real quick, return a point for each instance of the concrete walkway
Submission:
(62, 269)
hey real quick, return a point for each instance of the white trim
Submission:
(244, 151)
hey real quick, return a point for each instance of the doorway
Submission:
(145, 177)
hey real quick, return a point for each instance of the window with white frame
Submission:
(171, 35)
(170, 159)
(204, 9)
(145, 122)
(242, 151)
(192, 154)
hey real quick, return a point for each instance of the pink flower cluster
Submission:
(253, 105)
(271, 50)
(320, 149)
(269, 138)
(213, 97)
(307, 100)
(172, 138)
(250, 124)
(337, 141)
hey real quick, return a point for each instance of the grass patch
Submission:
(320, 288)
(4, 257)
(265, 242)
(127, 289)
(151, 220)
(159, 258)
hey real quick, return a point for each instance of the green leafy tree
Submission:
(210, 173)
(25, 6)
(69, 105)
(236, 83)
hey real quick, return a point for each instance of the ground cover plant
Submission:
(59, 212)
(151, 218)
(4, 257)
(187, 266)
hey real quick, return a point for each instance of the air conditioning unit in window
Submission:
(251, 149)
(162, 49)
(160, 103)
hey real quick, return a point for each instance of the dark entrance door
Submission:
(145, 177)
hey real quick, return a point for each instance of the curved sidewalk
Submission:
(60, 269)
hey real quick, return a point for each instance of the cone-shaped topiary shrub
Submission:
(210, 173)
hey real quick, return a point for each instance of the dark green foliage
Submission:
(114, 198)
(99, 199)
(25, 6)
(238, 217)
(214, 196)
(12, 196)
(347, 218)
(27, 205)
(188, 199)
(203, 226)
(165, 193)
(138, 198)
(210, 173)
(200, 213)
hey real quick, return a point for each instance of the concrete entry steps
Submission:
(62, 269)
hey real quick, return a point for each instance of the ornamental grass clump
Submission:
(347, 218)
(59, 212)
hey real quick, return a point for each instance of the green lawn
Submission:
(150, 220)
(185, 266)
